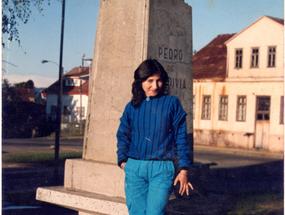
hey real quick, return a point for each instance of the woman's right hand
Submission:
(123, 165)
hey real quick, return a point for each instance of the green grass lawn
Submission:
(37, 157)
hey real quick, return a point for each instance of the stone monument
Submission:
(128, 32)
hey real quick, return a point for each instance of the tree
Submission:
(9, 93)
(15, 12)
(29, 84)
(22, 117)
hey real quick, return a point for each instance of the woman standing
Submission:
(152, 134)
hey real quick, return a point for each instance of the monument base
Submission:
(90, 187)
(82, 201)
(96, 188)
(95, 177)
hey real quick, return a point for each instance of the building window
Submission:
(271, 56)
(238, 63)
(263, 108)
(80, 111)
(193, 106)
(69, 82)
(254, 57)
(206, 108)
(241, 108)
(282, 110)
(223, 108)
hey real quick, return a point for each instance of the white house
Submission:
(74, 96)
(238, 92)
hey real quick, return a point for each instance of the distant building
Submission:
(74, 97)
(238, 92)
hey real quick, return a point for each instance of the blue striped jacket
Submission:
(156, 130)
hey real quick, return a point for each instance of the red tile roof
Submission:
(281, 21)
(71, 90)
(68, 90)
(78, 71)
(210, 61)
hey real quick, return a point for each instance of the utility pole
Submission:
(83, 59)
(59, 96)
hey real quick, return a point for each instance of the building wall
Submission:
(72, 101)
(232, 132)
(262, 34)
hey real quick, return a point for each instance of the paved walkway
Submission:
(246, 152)
(230, 157)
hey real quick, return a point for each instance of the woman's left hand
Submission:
(182, 178)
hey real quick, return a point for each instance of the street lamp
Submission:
(50, 61)
(60, 72)
(58, 112)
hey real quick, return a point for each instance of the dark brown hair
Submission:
(146, 69)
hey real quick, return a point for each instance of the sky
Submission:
(40, 37)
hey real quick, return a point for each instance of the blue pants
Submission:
(148, 186)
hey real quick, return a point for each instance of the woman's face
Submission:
(152, 85)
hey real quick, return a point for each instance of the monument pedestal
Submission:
(101, 190)
(128, 32)
(90, 187)
(94, 176)
(82, 201)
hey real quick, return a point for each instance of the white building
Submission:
(238, 92)
(74, 97)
